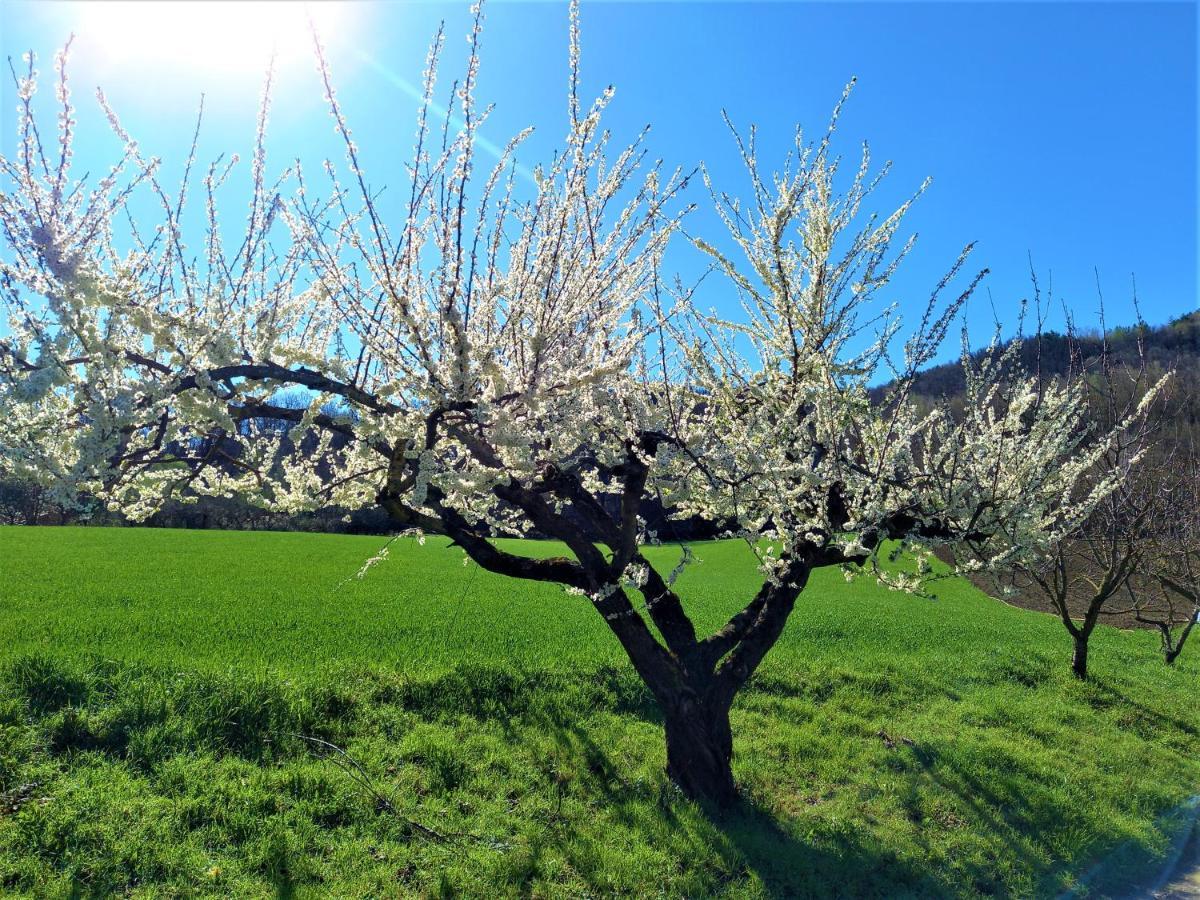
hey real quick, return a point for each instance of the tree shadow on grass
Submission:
(1017, 804)
(1019, 816)
(1014, 806)
(1107, 696)
(790, 867)
(747, 842)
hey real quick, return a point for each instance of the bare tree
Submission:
(1166, 594)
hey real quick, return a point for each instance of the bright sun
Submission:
(230, 38)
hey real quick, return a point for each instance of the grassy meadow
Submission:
(170, 702)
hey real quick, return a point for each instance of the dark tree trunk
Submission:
(700, 749)
(1172, 646)
(1079, 662)
(1183, 636)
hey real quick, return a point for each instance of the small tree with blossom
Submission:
(1083, 569)
(500, 361)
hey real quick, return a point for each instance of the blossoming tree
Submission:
(496, 360)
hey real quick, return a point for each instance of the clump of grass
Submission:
(46, 683)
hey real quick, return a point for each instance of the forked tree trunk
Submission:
(1173, 649)
(1079, 662)
(700, 749)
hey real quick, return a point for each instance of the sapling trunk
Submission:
(1079, 661)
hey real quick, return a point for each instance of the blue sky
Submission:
(1066, 131)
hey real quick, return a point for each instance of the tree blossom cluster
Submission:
(782, 431)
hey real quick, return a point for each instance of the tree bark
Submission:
(700, 749)
(1183, 636)
(1079, 662)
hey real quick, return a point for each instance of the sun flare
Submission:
(235, 39)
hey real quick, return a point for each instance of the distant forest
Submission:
(1175, 345)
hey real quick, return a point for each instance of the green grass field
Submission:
(160, 692)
